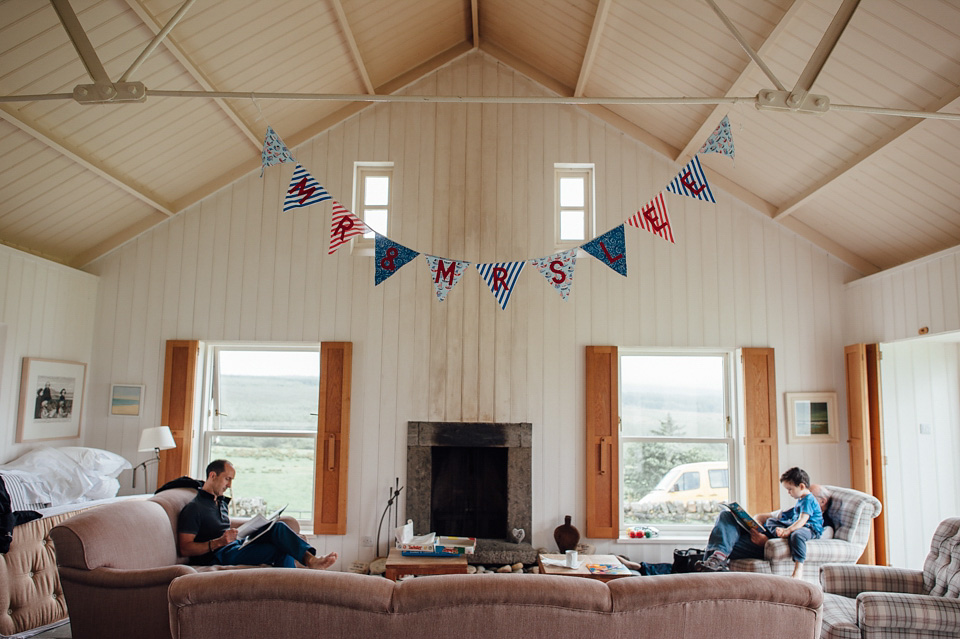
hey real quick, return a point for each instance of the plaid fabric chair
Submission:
(878, 602)
(851, 511)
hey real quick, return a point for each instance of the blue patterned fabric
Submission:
(610, 248)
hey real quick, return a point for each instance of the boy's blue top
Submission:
(806, 504)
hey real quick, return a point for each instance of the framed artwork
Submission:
(51, 399)
(125, 399)
(812, 418)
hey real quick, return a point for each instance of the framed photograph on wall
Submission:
(51, 399)
(812, 418)
(125, 399)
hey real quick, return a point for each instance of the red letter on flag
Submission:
(301, 189)
(687, 180)
(499, 277)
(344, 224)
(445, 272)
(610, 258)
(554, 268)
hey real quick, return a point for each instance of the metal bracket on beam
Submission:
(770, 100)
(108, 93)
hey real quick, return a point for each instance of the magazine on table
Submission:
(608, 569)
(257, 526)
(743, 518)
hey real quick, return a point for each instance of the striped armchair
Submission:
(877, 602)
(851, 511)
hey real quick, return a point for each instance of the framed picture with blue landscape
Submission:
(812, 418)
(125, 399)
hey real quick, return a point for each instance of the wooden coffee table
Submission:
(398, 565)
(582, 570)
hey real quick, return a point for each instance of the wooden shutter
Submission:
(603, 445)
(177, 409)
(333, 437)
(760, 430)
(862, 406)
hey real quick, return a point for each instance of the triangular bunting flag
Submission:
(558, 269)
(274, 150)
(501, 277)
(610, 249)
(691, 181)
(390, 257)
(445, 274)
(344, 226)
(721, 140)
(653, 217)
(304, 190)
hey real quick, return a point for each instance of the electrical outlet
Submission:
(366, 541)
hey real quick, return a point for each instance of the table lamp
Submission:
(155, 439)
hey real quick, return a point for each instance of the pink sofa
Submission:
(302, 604)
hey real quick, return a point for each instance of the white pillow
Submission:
(26, 490)
(64, 479)
(100, 462)
(107, 488)
(827, 532)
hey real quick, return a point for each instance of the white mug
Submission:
(571, 559)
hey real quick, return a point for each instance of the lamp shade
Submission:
(158, 438)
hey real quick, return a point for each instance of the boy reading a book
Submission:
(799, 524)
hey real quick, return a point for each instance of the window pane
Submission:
(667, 482)
(377, 220)
(719, 478)
(269, 390)
(571, 191)
(571, 225)
(376, 190)
(271, 472)
(672, 396)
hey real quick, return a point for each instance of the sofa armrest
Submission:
(908, 614)
(125, 578)
(849, 580)
(818, 550)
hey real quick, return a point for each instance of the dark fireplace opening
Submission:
(469, 491)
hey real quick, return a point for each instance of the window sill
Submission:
(672, 539)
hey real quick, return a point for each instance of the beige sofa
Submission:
(302, 604)
(115, 563)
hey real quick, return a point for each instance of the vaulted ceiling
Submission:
(875, 188)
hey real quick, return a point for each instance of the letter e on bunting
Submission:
(610, 249)
(445, 273)
(691, 181)
(389, 257)
(304, 190)
(501, 278)
(344, 226)
(558, 269)
(654, 218)
(274, 150)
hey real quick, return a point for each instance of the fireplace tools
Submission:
(392, 493)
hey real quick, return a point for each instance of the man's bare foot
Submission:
(320, 563)
(797, 571)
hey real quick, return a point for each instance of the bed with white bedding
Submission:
(57, 483)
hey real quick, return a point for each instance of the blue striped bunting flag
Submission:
(691, 181)
(501, 277)
(304, 190)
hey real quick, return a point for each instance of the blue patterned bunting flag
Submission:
(274, 150)
(721, 140)
(304, 190)
(610, 249)
(558, 269)
(501, 278)
(691, 181)
(445, 274)
(390, 257)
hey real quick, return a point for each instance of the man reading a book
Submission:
(205, 536)
(799, 524)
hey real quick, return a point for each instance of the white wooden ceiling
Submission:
(875, 190)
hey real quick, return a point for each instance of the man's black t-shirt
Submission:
(207, 518)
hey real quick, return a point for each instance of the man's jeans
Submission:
(279, 547)
(798, 538)
(733, 541)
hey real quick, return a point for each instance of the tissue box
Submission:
(441, 547)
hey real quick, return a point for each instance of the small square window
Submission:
(574, 204)
(372, 193)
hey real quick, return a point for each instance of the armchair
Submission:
(852, 513)
(879, 602)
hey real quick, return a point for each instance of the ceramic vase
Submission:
(566, 535)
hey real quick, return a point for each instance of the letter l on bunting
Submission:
(610, 249)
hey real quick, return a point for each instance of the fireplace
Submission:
(469, 479)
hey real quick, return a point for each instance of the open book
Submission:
(743, 518)
(257, 526)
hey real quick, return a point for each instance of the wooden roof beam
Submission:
(11, 116)
(194, 71)
(593, 44)
(475, 23)
(711, 121)
(352, 44)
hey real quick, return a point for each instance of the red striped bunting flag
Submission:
(344, 226)
(654, 218)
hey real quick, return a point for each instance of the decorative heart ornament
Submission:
(518, 534)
